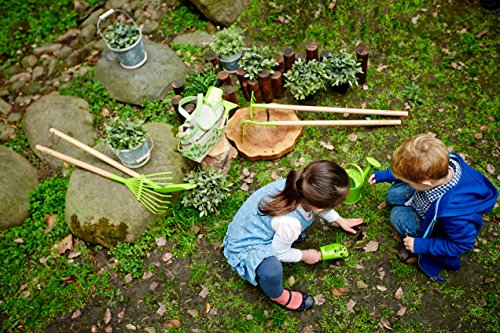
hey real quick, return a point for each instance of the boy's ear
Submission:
(427, 182)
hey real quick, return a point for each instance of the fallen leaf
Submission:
(161, 310)
(26, 294)
(490, 168)
(121, 316)
(401, 312)
(153, 286)
(361, 284)
(380, 68)
(339, 291)
(381, 288)
(207, 307)
(365, 87)
(345, 149)
(372, 246)
(489, 280)
(307, 329)
(382, 205)
(291, 281)
(130, 327)
(76, 314)
(415, 19)
(193, 313)
(108, 329)
(399, 293)
(244, 187)
(274, 176)
(161, 241)
(69, 279)
(381, 275)
(482, 33)
(173, 323)
(352, 137)
(326, 145)
(386, 324)
(462, 31)
(319, 299)
(166, 257)
(245, 172)
(204, 292)
(105, 112)
(107, 316)
(149, 329)
(65, 245)
(74, 255)
(43, 260)
(350, 306)
(50, 219)
(128, 278)
(147, 275)
(482, 303)
(18, 240)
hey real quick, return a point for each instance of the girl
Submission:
(261, 234)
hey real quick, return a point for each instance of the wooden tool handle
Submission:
(74, 161)
(95, 153)
(331, 109)
(336, 123)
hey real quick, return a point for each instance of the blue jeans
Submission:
(405, 219)
(270, 277)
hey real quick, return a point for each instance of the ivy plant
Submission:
(227, 42)
(200, 82)
(125, 134)
(305, 78)
(257, 58)
(211, 189)
(342, 68)
(120, 35)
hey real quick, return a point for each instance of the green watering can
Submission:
(358, 177)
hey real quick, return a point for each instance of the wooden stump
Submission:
(263, 142)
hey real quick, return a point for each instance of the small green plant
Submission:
(212, 188)
(257, 58)
(342, 68)
(200, 82)
(305, 78)
(120, 35)
(227, 42)
(125, 134)
(412, 93)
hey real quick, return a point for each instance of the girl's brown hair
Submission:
(420, 158)
(322, 184)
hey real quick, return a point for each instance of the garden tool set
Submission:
(150, 190)
(309, 108)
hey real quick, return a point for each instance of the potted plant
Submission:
(124, 40)
(129, 141)
(228, 44)
(341, 70)
(257, 58)
(305, 78)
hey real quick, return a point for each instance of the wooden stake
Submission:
(175, 104)
(362, 56)
(281, 63)
(330, 123)
(178, 87)
(212, 58)
(312, 51)
(230, 95)
(265, 85)
(331, 109)
(240, 73)
(277, 84)
(289, 56)
(254, 87)
(224, 78)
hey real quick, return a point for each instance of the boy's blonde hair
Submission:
(420, 158)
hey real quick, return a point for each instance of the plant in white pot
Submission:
(341, 70)
(129, 141)
(125, 40)
(228, 45)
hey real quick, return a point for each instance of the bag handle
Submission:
(186, 100)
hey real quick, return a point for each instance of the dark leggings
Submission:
(270, 277)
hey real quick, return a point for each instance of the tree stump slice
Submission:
(263, 142)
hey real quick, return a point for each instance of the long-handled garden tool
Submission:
(159, 182)
(309, 108)
(143, 191)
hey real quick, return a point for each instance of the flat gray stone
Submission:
(66, 113)
(99, 210)
(223, 12)
(17, 178)
(29, 61)
(4, 107)
(151, 81)
(47, 48)
(5, 131)
(197, 38)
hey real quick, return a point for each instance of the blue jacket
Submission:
(453, 221)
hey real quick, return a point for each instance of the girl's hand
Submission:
(372, 179)
(408, 242)
(311, 256)
(347, 224)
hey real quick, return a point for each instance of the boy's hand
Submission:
(311, 256)
(408, 243)
(372, 180)
(347, 224)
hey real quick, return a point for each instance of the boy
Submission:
(437, 203)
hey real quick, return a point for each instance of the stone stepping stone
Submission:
(151, 81)
(17, 178)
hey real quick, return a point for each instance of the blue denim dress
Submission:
(249, 236)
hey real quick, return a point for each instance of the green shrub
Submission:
(125, 134)
(305, 78)
(342, 68)
(120, 35)
(257, 58)
(200, 82)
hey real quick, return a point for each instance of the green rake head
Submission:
(161, 182)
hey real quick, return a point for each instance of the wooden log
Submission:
(211, 57)
(178, 87)
(230, 95)
(362, 56)
(277, 85)
(240, 73)
(254, 86)
(281, 63)
(312, 51)
(289, 56)
(224, 78)
(175, 104)
(265, 85)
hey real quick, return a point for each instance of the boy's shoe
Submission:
(407, 257)
(307, 301)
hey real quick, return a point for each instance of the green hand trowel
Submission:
(334, 251)
(358, 177)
